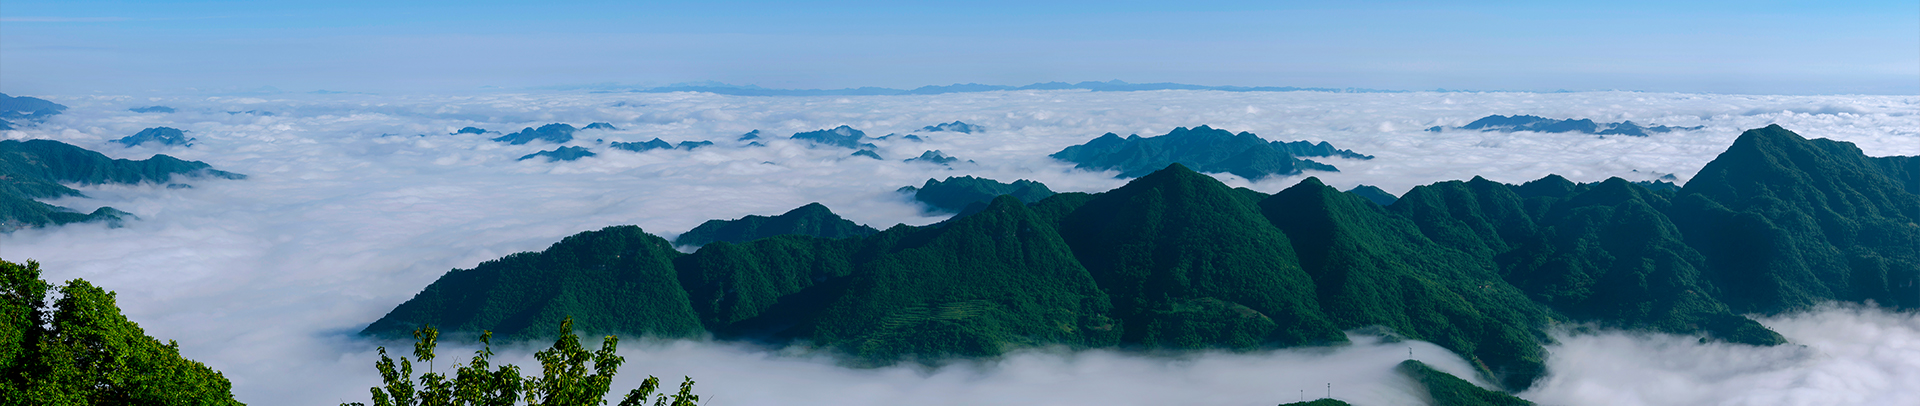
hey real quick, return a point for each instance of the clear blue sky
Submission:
(1798, 47)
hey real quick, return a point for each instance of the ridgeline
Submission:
(1177, 260)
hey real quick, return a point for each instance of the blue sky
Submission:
(1773, 47)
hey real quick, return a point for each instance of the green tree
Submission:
(570, 375)
(82, 351)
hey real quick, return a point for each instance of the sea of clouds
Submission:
(354, 202)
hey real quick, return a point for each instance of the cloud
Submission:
(349, 211)
(1841, 355)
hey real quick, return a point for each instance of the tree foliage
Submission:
(82, 351)
(570, 375)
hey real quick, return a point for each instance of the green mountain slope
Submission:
(1203, 148)
(1178, 251)
(1786, 222)
(955, 194)
(41, 169)
(978, 286)
(1444, 389)
(617, 279)
(812, 219)
(1177, 260)
(1372, 268)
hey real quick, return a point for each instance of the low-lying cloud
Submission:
(1840, 355)
(348, 211)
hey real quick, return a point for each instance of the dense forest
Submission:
(79, 350)
(1177, 260)
(42, 169)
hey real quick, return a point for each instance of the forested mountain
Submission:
(812, 219)
(1177, 260)
(955, 194)
(1548, 125)
(557, 133)
(1202, 148)
(560, 154)
(41, 169)
(168, 136)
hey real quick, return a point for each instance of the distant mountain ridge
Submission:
(1548, 125)
(1177, 260)
(813, 220)
(1107, 86)
(41, 169)
(1203, 148)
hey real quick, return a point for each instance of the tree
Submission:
(570, 376)
(82, 351)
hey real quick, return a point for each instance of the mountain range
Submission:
(42, 169)
(1176, 260)
(1205, 149)
(1548, 125)
(1107, 86)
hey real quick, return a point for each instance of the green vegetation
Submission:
(812, 219)
(1177, 260)
(82, 351)
(41, 169)
(842, 136)
(160, 135)
(1374, 194)
(955, 194)
(557, 133)
(566, 378)
(620, 279)
(1444, 389)
(22, 109)
(560, 154)
(1203, 148)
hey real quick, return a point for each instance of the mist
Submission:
(355, 202)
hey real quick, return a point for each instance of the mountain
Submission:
(559, 154)
(600, 126)
(1177, 260)
(41, 169)
(470, 130)
(955, 194)
(1107, 86)
(1373, 194)
(1203, 148)
(656, 143)
(933, 157)
(867, 153)
(1797, 221)
(1444, 389)
(1548, 125)
(614, 279)
(1304, 148)
(168, 136)
(955, 126)
(1191, 264)
(812, 219)
(152, 109)
(1371, 268)
(14, 110)
(842, 136)
(555, 133)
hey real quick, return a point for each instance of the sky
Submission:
(1729, 47)
(355, 202)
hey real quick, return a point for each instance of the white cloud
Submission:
(268, 278)
(1841, 355)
